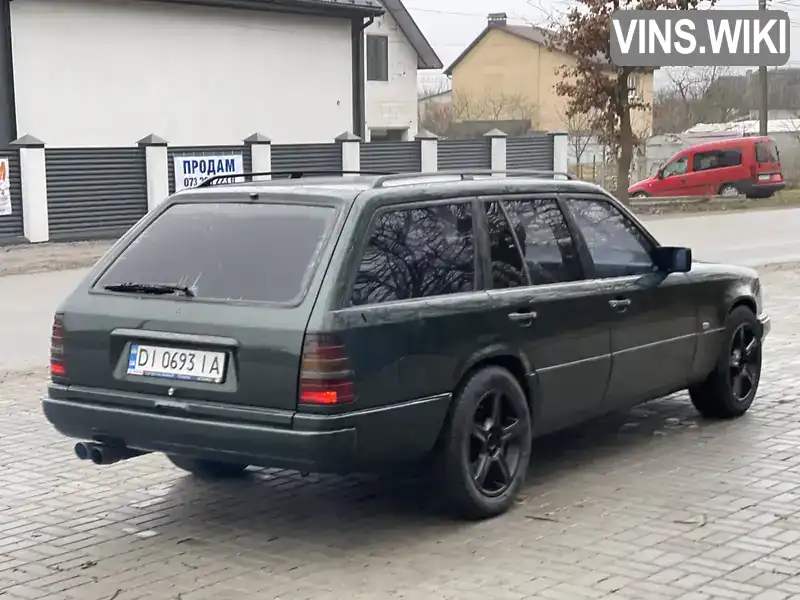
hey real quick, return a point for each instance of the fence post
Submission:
(498, 150)
(351, 151)
(260, 155)
(428, 151)
(156, 164)
(33, 180)
(560, 151)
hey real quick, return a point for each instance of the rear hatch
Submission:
(768, 163)
(246, 276)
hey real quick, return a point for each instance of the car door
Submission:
(701, 174)
(672, 181)
(543, 304)
(655, 328)
(712, 169)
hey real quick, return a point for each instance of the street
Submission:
(745, 237)
(654, 503)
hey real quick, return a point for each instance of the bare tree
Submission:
(467, 114)
(697, 95)
(580, 128)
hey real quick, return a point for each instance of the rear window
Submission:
(252, 252)
(767, 152)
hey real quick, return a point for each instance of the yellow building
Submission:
(509, 72)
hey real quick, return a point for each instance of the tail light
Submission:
(57, 368)
(325, 375)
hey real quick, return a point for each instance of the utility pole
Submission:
(764, 87)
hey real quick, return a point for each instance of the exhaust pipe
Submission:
(102, 454)
(83, 450)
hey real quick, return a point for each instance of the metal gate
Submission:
(247, 159)
(392, 157)
(530, 152)
(308, 157)
(95, 193)
(464, 154)
(11, 227)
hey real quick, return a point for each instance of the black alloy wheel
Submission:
(495, 445)
(745, 362)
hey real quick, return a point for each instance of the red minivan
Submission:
(746, 165)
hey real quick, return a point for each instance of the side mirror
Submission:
(673, 259)
(660, 174)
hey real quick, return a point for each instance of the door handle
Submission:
(620, 304)
(522, 316)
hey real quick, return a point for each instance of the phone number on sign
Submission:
(195, 181)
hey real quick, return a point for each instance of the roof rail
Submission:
(294, 174)
(470, 174)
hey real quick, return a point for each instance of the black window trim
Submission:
(314, 271)
(589, 271)
(521, 197)
(370, 216)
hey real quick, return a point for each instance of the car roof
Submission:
(728, 142)
(398, 186)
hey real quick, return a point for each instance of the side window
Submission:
(703, 161)
(417, 253)
(676, 167)
(617, 247)
(730, 158)
(545, 240)
(508, 267)
(717, 159)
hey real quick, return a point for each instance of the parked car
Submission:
(747, 166)
(342, 324)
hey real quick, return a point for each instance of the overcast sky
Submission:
(450, 25)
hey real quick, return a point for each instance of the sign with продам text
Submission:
(5, 187)
(191, 171)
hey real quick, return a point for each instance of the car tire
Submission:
(730, 389)
(640, 195)
(485, 451)
(208, 469)
(729, 190)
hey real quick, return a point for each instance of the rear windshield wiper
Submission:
(150, 288)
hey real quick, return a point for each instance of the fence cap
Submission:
(560, 132)
(347, 136)
(257, 138)
(495, 133)
(28, 141)
(152, 140)
(424, 134)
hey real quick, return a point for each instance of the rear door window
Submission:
(766, 152)
(228, 251)
(417, 253)
(542, 235)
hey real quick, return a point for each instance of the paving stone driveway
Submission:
(646, 505)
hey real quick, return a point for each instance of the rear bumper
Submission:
(765, 189)
(359, 440)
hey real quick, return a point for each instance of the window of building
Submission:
(377, 58)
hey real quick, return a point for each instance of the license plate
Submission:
(764, 177)
(176, 363)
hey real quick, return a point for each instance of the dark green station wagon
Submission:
(358, 323)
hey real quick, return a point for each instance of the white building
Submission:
(396, 49)
(200, 72)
